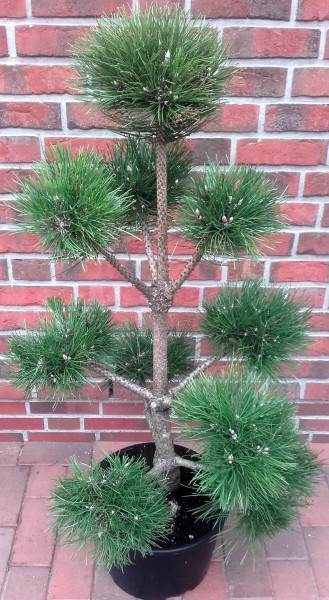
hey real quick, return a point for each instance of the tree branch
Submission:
(207, 363)
(139, 285)
(189, 464)
(133, 387)
(177, 461)
(186, 272)
(149, 251)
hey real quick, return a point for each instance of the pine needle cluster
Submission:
(119, 510)
(134, 354)
(227, 212)
(132, 164)
(55, 356)
(73, 203)
(252, 460)
(262, 325)
(155, 71)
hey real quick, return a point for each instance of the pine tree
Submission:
(160, 76)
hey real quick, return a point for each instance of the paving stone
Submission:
(13, 481)
(71, 577)
(288, 544)
(9, 452)
(317, 513)
(6, 539)
(105, 588)
(317, 542)
(322, 450)
(33, 541)
(107, 447)
(292, 580)
(26, 583)
(51, 453)
(212, 587)
(247, 574)
(42, 479)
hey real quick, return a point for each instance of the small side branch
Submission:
(149, 251)
(140, 285)
(133, 387)
(164, 466)
(207, 363)
(189, 464)
(186, 272)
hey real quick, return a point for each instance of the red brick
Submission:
(67, 407)
(87, 391)
(3, 42)
(9, 392)
(292, 579)
(261, 42)
(319, 345)
(325, 217)
(13, 481)
(300, 213)
(14, 319)
(3, 270)
(9, 181)
(63, 423)
(66, 8)
(210, 149)
(320, 322)
(300, 271)
(119, 316)
(240, 9)
(103, 293)
(317, 391)
(91, 271)
(316, 184)
(28, 582)
(6, 538)
(203, 271)
(9, 452)
(51, 453)
(311, 81)
(30, 269)
(16, 241)
(314, 425)
(212, 587)
(258, 82)
(12, 408)
(83, 116)
(129, 437)
(317, 542)
(176, 245)
(7, 211)
(16, 9)
(19, 149)
(42, 480)
(242, 269)
(313, 10)
(288, 544)
(276, 244)
(115, 423)
(47, 40)
(104, 587)
(35, 79)
(146, 3)
(314, 409)
(185, 320)
(123, 408)
(56, 436)
(21, 423)
(245, 576)
(235, 118)
(317, 369)
(71, 577)
(120, 392)
(322, 438)
(187, 296)
(11, 437)
(32, 545)
(97, 144)
(25, 295)
(317, 513)
(297, 117)
(34, 115)
(281, 152)
(313, 243)
(129, 296)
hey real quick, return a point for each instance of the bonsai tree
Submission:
(159, 76)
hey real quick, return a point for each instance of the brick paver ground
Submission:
(292, 566)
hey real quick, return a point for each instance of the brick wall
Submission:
(277, 116)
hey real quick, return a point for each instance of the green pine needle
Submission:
(132, 164)
(261, 325)
(54, 357)
(158, 72)
(252, 460)
(74, 204)
(228, 212)
(118, 510)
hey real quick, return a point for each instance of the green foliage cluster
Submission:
(55, 355)
(260, 324)
(132, 164)
(119, 510)
(73, 203)
(227, 212)
(155, 71)
(134, 354)
(252, 460)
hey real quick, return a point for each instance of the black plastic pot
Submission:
(167, 572)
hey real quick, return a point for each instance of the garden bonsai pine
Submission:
(159, 75)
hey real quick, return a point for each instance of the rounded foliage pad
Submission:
(73, 203)
(158, 72)
(119, 510)
(262, 325)
(252, 460)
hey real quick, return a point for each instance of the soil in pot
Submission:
(181, 561)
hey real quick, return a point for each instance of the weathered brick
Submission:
(247, 577)
(277, 244)
(19, 149)
(104, 587)
(103, 293)
(52, 453)
(234, 118)
(9, 392)
(67, 407)
(258, 82)
(16, 319)
(311, 81)
(313, 10)
(317, 391)
(63, 423)
(30, 269)
(9, 179)
(28, 582)
(23, 423)
(326, 50)
(317, 542)
(25, 295)
(11, 9)
(281, 152)
(123, 408)
(91, 271)
(129, 296)
(3, 270)
(6, 538)
(60, 436)
(115, 423)
(299, 271)
(212, 586)
(83, 116)
(240, 9)
(320, 321)
(317, 512)
(272, 42)
(297, 117)
(13, 481)
(300, 213)
(313, 243)
(42, 479)
(288, 544)
(318, 346)
(316, 184)
(71, 577)
(34, 115)
(66, 8)
(205, 150)
(313, 409)
(97, 144)
(3, 42)
(242, 269)
(285, 182)
(35, 79)
(9, 452)
(325, 217)
(12, 408)
(47, 40)
(32, 545)
(292, 579)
